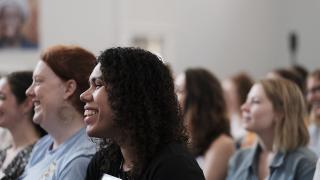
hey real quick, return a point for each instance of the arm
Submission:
(217, 158)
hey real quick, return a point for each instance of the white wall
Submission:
(222, 35)
(80, 22)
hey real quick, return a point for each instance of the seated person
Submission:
(205, 115)
(58, 80)
(275, 110)
(16, 116)
(131, 105)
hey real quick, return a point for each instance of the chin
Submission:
(90, 132)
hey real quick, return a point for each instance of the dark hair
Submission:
(141, 94)
(204, 109)
(243, 83)
(71, 62)
(19, 82)
(292, 76)
(301, 70)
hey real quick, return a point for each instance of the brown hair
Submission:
(243, 83)
(71, 62)
(287, 100)
(204, 110)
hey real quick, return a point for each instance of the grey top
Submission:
(314, 144)
(299, 164)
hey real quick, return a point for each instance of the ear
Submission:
(70, 88)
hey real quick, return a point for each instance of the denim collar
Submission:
(252, 158)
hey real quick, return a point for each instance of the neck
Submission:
(128, 157)
(67, 128)
(23, 134)
(266, 141)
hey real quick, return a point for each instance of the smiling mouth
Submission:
(88, 113)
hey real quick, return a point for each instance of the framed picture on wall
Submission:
(19, 24)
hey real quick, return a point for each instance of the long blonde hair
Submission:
(291, 130)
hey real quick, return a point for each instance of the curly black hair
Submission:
(204, 109)
(141, 93)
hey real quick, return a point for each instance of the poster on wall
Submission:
(18, 24)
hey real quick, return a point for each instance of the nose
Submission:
(86, 96)
(244, 107)
(29, 91)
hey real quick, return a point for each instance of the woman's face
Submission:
(98, 115)
(180, 83)
(47, 93)
(10, 111)
(258, 113)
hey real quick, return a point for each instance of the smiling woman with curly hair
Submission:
(131, 104)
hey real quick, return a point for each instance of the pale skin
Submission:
(53, 109)
(216, 158)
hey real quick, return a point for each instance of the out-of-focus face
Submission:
(180, 85)
(313, 95)
(258, 113)
(46, 91)
(98, 115)
(12, 21)
(10, 111)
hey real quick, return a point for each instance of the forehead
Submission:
(42, 69)
(4, 86)
(257, 90)
(96, 71)
(313, 81)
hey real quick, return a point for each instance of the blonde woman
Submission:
(274, 110)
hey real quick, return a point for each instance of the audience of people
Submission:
(123, 116)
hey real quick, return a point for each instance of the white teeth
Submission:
(90, 112)
(36, 103)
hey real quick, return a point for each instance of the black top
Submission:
(173, 162)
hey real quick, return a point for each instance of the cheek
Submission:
(265, 117)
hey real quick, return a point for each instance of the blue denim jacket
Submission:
(299, 164)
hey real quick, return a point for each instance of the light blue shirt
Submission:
(67, 162)
(299, 164)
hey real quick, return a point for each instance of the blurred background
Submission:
(222, 35)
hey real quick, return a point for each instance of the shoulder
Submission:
(40, 148)
(303, 155)
(174, 162)
(223, 143)
(302, 162)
